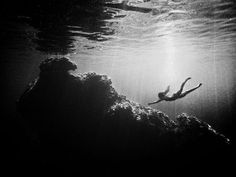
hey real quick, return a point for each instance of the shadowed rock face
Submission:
(76, 118)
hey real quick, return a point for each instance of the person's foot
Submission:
(187, 79)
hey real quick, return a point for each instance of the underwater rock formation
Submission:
(81, 117)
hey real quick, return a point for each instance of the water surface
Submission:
(142, 51)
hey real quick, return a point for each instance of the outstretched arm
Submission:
(167, 90)
(154, 102)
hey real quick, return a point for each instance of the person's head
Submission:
(161, 95)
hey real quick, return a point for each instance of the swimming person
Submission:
(163, 95)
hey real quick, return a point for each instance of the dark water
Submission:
(142, 49)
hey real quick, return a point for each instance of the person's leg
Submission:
(189, 91)
(182, 86)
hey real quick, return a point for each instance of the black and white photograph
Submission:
(118, 88)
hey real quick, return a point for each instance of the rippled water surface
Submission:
(142, 46)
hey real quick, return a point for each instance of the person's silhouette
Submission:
(163, 95)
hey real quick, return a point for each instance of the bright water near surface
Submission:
(142, 49)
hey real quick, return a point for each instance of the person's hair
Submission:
(161, 94)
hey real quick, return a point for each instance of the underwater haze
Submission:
(143, 46)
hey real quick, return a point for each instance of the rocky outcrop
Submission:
(76, 117)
